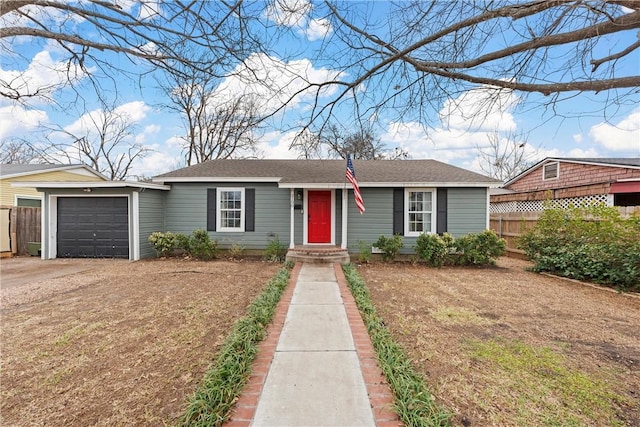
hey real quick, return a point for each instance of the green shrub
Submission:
(163, 243)
(201, 246)
(390, 246)
(236, 250)
(275, 251)
(592, 243)
(479, 248)
(471, 249)
(434, 249)
(364, 252)
(182, 242)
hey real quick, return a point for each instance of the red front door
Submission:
(319, 216)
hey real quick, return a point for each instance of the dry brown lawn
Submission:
(126, 343)
(120, 344)
(505, 346)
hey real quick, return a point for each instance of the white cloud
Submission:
(296, 14)
(130, 113)
(624, 136)
(317, 29)
(16, 121)
(157, 162)
(275, 145)
(289, 13)
(273, 82)
(30, 14)
(134, 111)
(579, 152)
(43, 75)
(484, 108)
(149, 10)
(577, 137)
(466, 123)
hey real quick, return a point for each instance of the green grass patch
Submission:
(459, 315)
(223, 382)
(414, 403)
(541, 389)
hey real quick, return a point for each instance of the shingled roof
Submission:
(620, 162)
(291, 173)
(17, 170)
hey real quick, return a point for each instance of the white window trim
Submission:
(406, 210)
(219, 226)
(544, 169)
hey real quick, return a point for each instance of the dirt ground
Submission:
(111, 342)
(452, 321)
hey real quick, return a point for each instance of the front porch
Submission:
(318, 254)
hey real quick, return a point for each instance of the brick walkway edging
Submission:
(380, 395)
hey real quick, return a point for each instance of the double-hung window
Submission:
(230, 209)
(420, 211)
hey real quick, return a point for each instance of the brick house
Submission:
(571, 181)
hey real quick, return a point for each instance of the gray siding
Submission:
(151, 218)
(186, 210)
(467, 210)
(376, 220)
(466, 213)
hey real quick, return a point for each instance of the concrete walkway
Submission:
(317, 366)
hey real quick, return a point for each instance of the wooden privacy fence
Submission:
(24, 226)
(512, 225)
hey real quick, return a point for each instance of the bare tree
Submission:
(427, 52)
(335, 143)
(153, 34)
(506, 156)
(104, 140)
(216, 126)
(14, 151)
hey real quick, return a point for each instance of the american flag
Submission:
(351, 176)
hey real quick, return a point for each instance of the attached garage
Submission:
(93, 227)
(108, 219)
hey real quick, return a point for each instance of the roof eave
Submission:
(89, 184)
(56, 169)
(565, 160)
(390, 184)
(198, 179)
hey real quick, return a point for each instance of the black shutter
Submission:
(441, 217)
(398, 211)
(211, 209)
(250, 209)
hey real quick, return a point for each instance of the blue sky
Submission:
(577, 128)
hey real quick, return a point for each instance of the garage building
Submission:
(109, 219)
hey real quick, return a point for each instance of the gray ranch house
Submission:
(304, 203)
